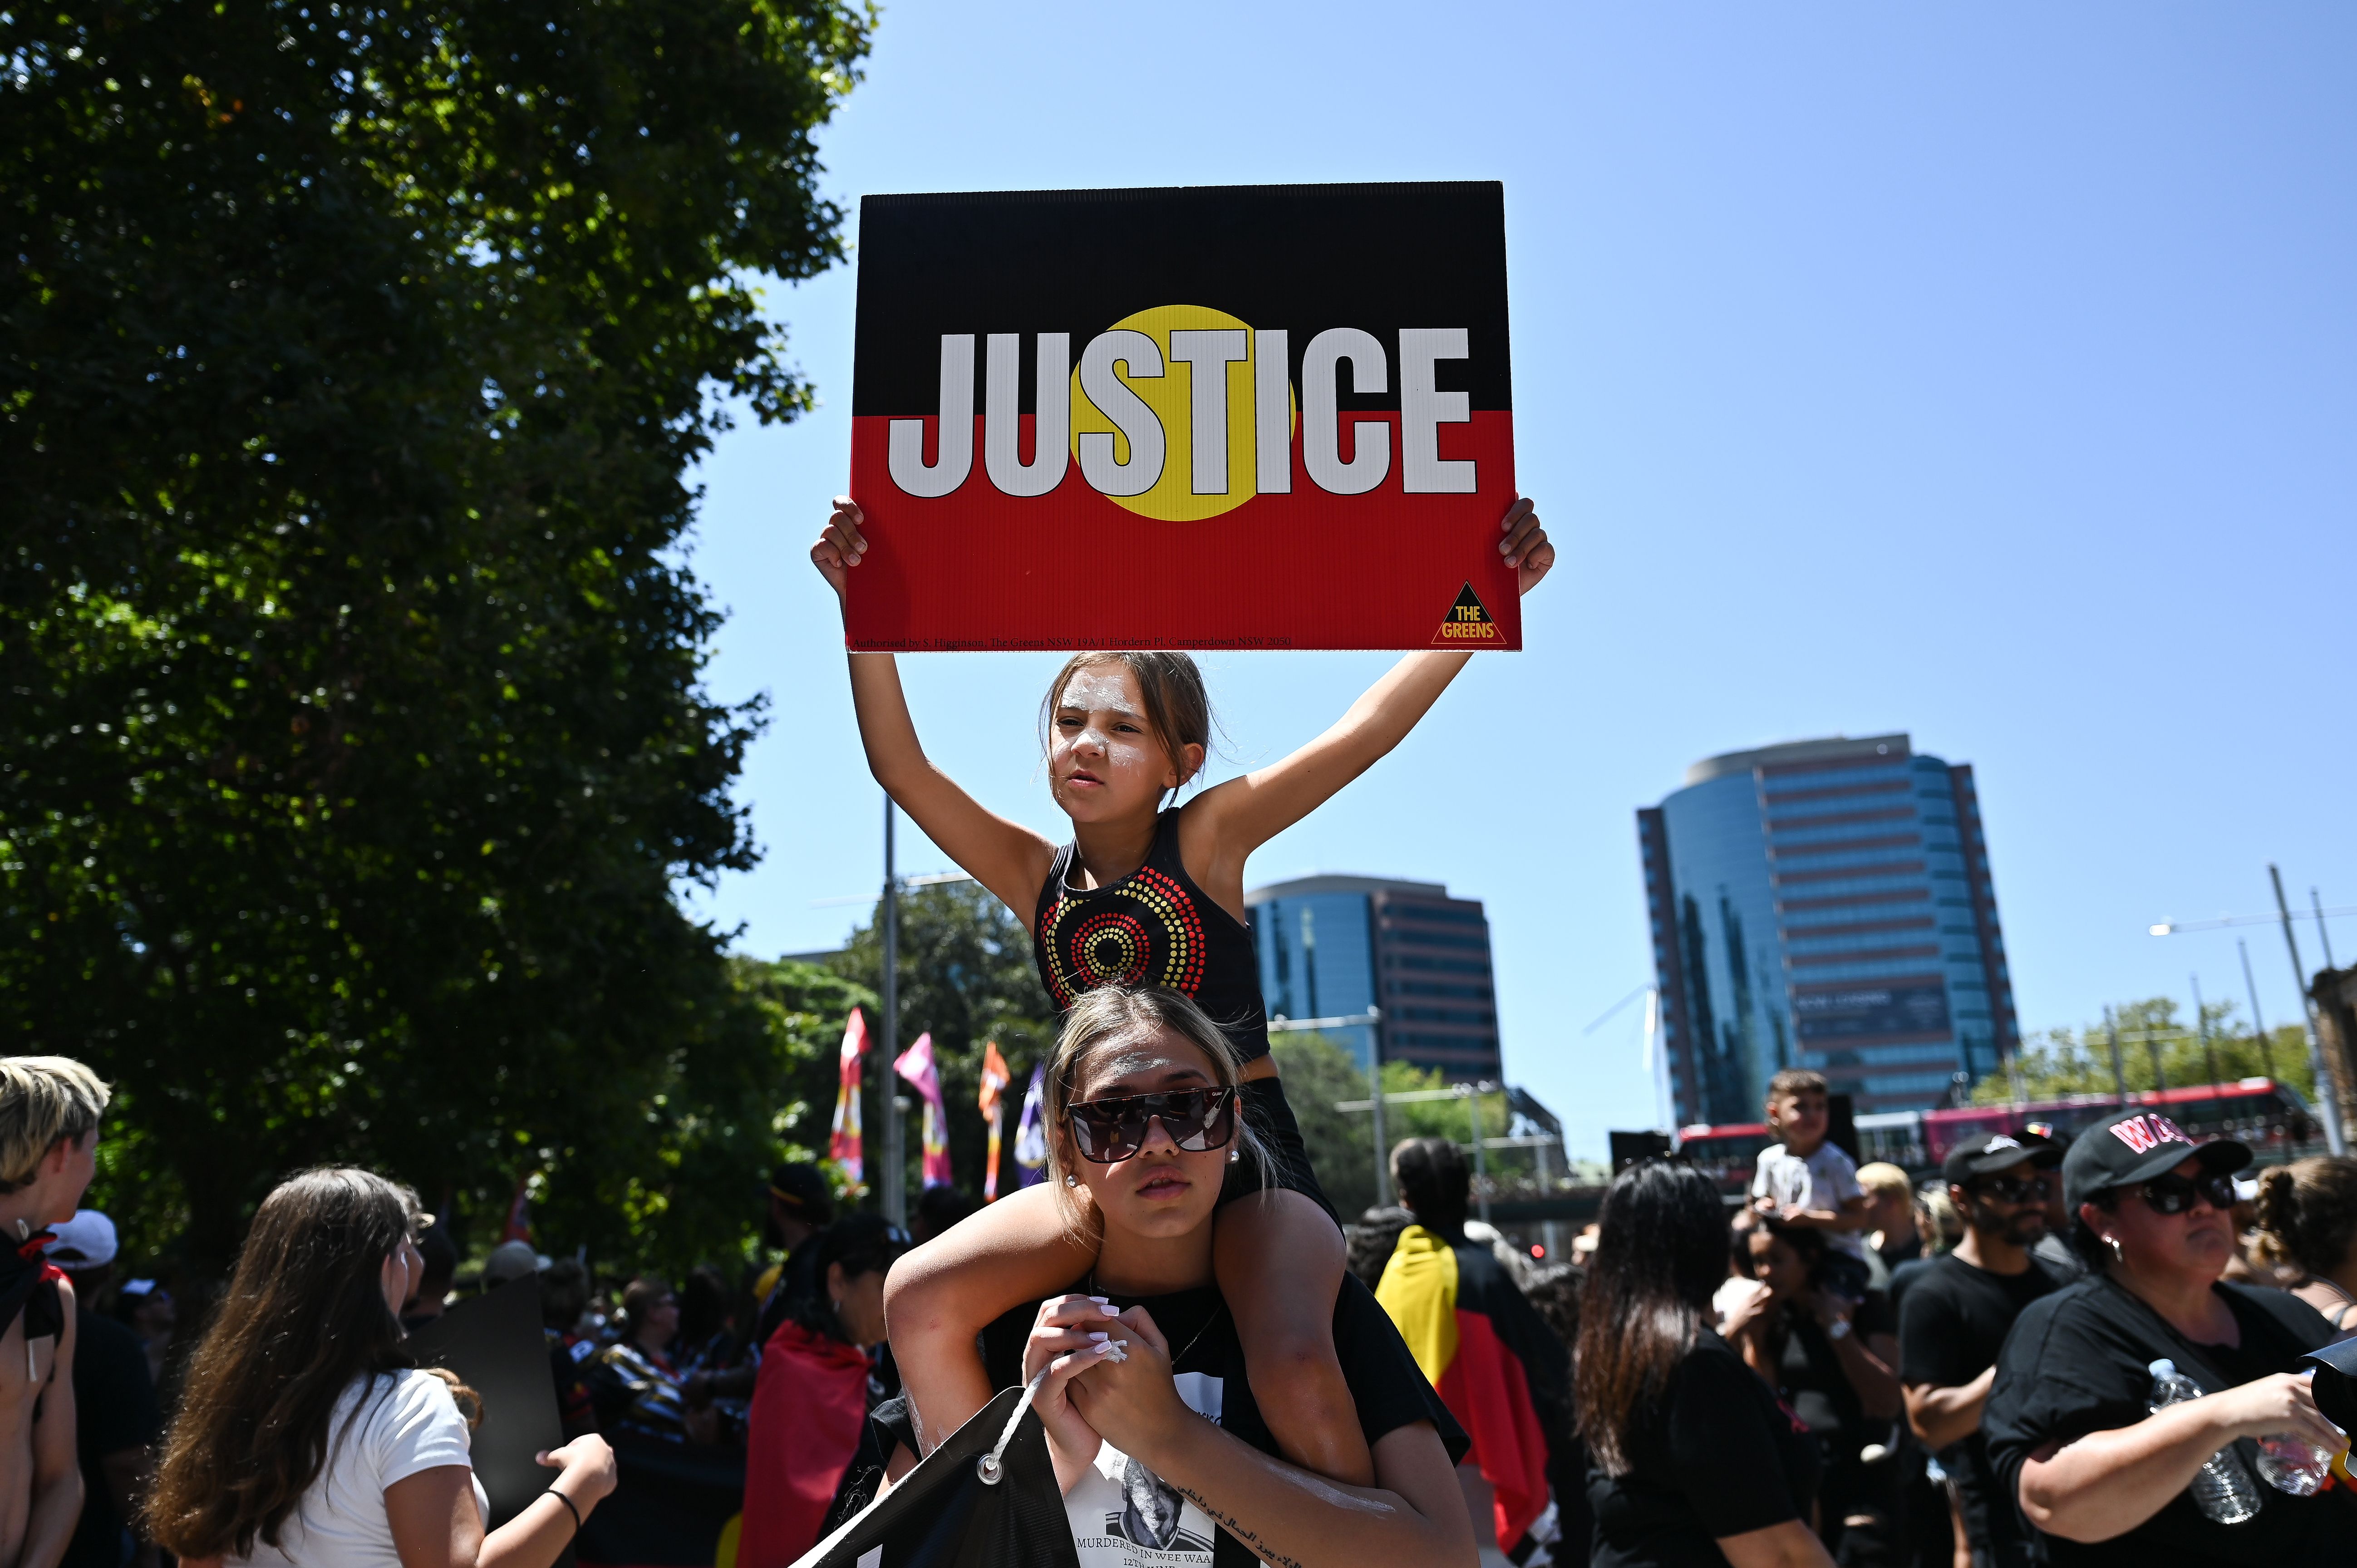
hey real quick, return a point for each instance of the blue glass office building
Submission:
(1333, 946)
(1825, 904)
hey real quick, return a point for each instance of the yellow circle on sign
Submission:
(1171, 396)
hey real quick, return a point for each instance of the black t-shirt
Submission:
(1812, 1381)
(1950, 1332)
(1716, 1456)
(2078, 1362)
(114, 1409)
(1383, 1379)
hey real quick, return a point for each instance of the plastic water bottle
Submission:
(2223, 1490)
(2293, 1465)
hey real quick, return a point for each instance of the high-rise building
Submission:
(1825, 904)
(1333, 946)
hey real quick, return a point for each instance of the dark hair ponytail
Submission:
(862, 1243)
(1660, 1250)
(2308, 1213)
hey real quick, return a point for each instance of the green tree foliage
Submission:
(353, 737)
(2059, 1062)
(1318, 1074)
(965, 977)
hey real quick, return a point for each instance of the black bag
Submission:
(948, 1513)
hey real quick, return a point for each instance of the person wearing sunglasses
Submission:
(1955, 1318)
(1162, 1451)
(2101, 1476)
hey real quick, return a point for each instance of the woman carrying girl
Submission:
(1144, 895)
(1140, 1347)
(306, 1433)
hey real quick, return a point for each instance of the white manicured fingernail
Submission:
(1100, 1298)
(1111, 1310)
(1100, 1335)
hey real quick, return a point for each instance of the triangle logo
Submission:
(1467, 623)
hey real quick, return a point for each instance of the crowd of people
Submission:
(2050, 1354)
(1838, 1368)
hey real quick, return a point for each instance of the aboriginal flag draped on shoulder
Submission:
(1253, 416)
(1491, 1356)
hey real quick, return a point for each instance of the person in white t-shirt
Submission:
(1808, 1182)
(305, 1435)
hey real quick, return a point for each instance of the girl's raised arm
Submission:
(1238, 816)
(1006, 857)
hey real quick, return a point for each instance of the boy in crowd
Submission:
(1954, 1318)
(116, 1421)
(1808, 1181)
(50, 1108)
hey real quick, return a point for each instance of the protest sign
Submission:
(1253, 416)
(495, 1345)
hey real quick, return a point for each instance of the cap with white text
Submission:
(1997, 1152)
(2132, 1146)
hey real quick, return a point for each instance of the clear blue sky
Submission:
(1987, 372)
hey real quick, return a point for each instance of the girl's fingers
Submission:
(1066, 1310)
(1515, 513)
(1141, 1322)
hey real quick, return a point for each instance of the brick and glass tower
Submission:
(1333, 946)
(1824, 904)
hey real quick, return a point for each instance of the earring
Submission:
(2114, 1244)
(1234, 1154)
(1071, 1181)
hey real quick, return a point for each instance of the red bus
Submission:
(2268, 1115)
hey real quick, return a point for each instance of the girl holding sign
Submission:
(1146, 895)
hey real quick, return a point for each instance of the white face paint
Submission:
(1104, 762)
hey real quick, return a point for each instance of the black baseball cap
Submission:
(802, 1189)
(1995, 1152)
(2132, 1146)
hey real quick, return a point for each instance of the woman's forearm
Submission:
(1297, 1519)
(1870, 1376)
(2107, 1483)
(533, 1537)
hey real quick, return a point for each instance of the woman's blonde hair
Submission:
(1125, 1014)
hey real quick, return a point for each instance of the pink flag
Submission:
(916, 1065)
(843, 1147)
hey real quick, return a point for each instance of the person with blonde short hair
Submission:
(49, 1108)
(1891, 1230)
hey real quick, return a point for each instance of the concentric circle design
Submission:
(1141, 932)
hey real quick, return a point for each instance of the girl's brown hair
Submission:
(1119, 1016)
(2308, 1213)
(304, 1317)
(1660, 1250)
(1178, 708)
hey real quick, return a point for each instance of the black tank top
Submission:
(1154, 926)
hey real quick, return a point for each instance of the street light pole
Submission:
(1481, 1158)
(2259, 1024)
(2201, 1021)
(894, 1186)
(1375, 1092)
(2327, 1097)
(2119, 1077)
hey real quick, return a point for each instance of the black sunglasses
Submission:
(1112, 1130)
(2174, 1194)
(2015, 1189)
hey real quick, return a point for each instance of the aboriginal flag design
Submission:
(1253, 416)
(1143, 932)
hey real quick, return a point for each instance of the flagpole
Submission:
(894, 1188)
